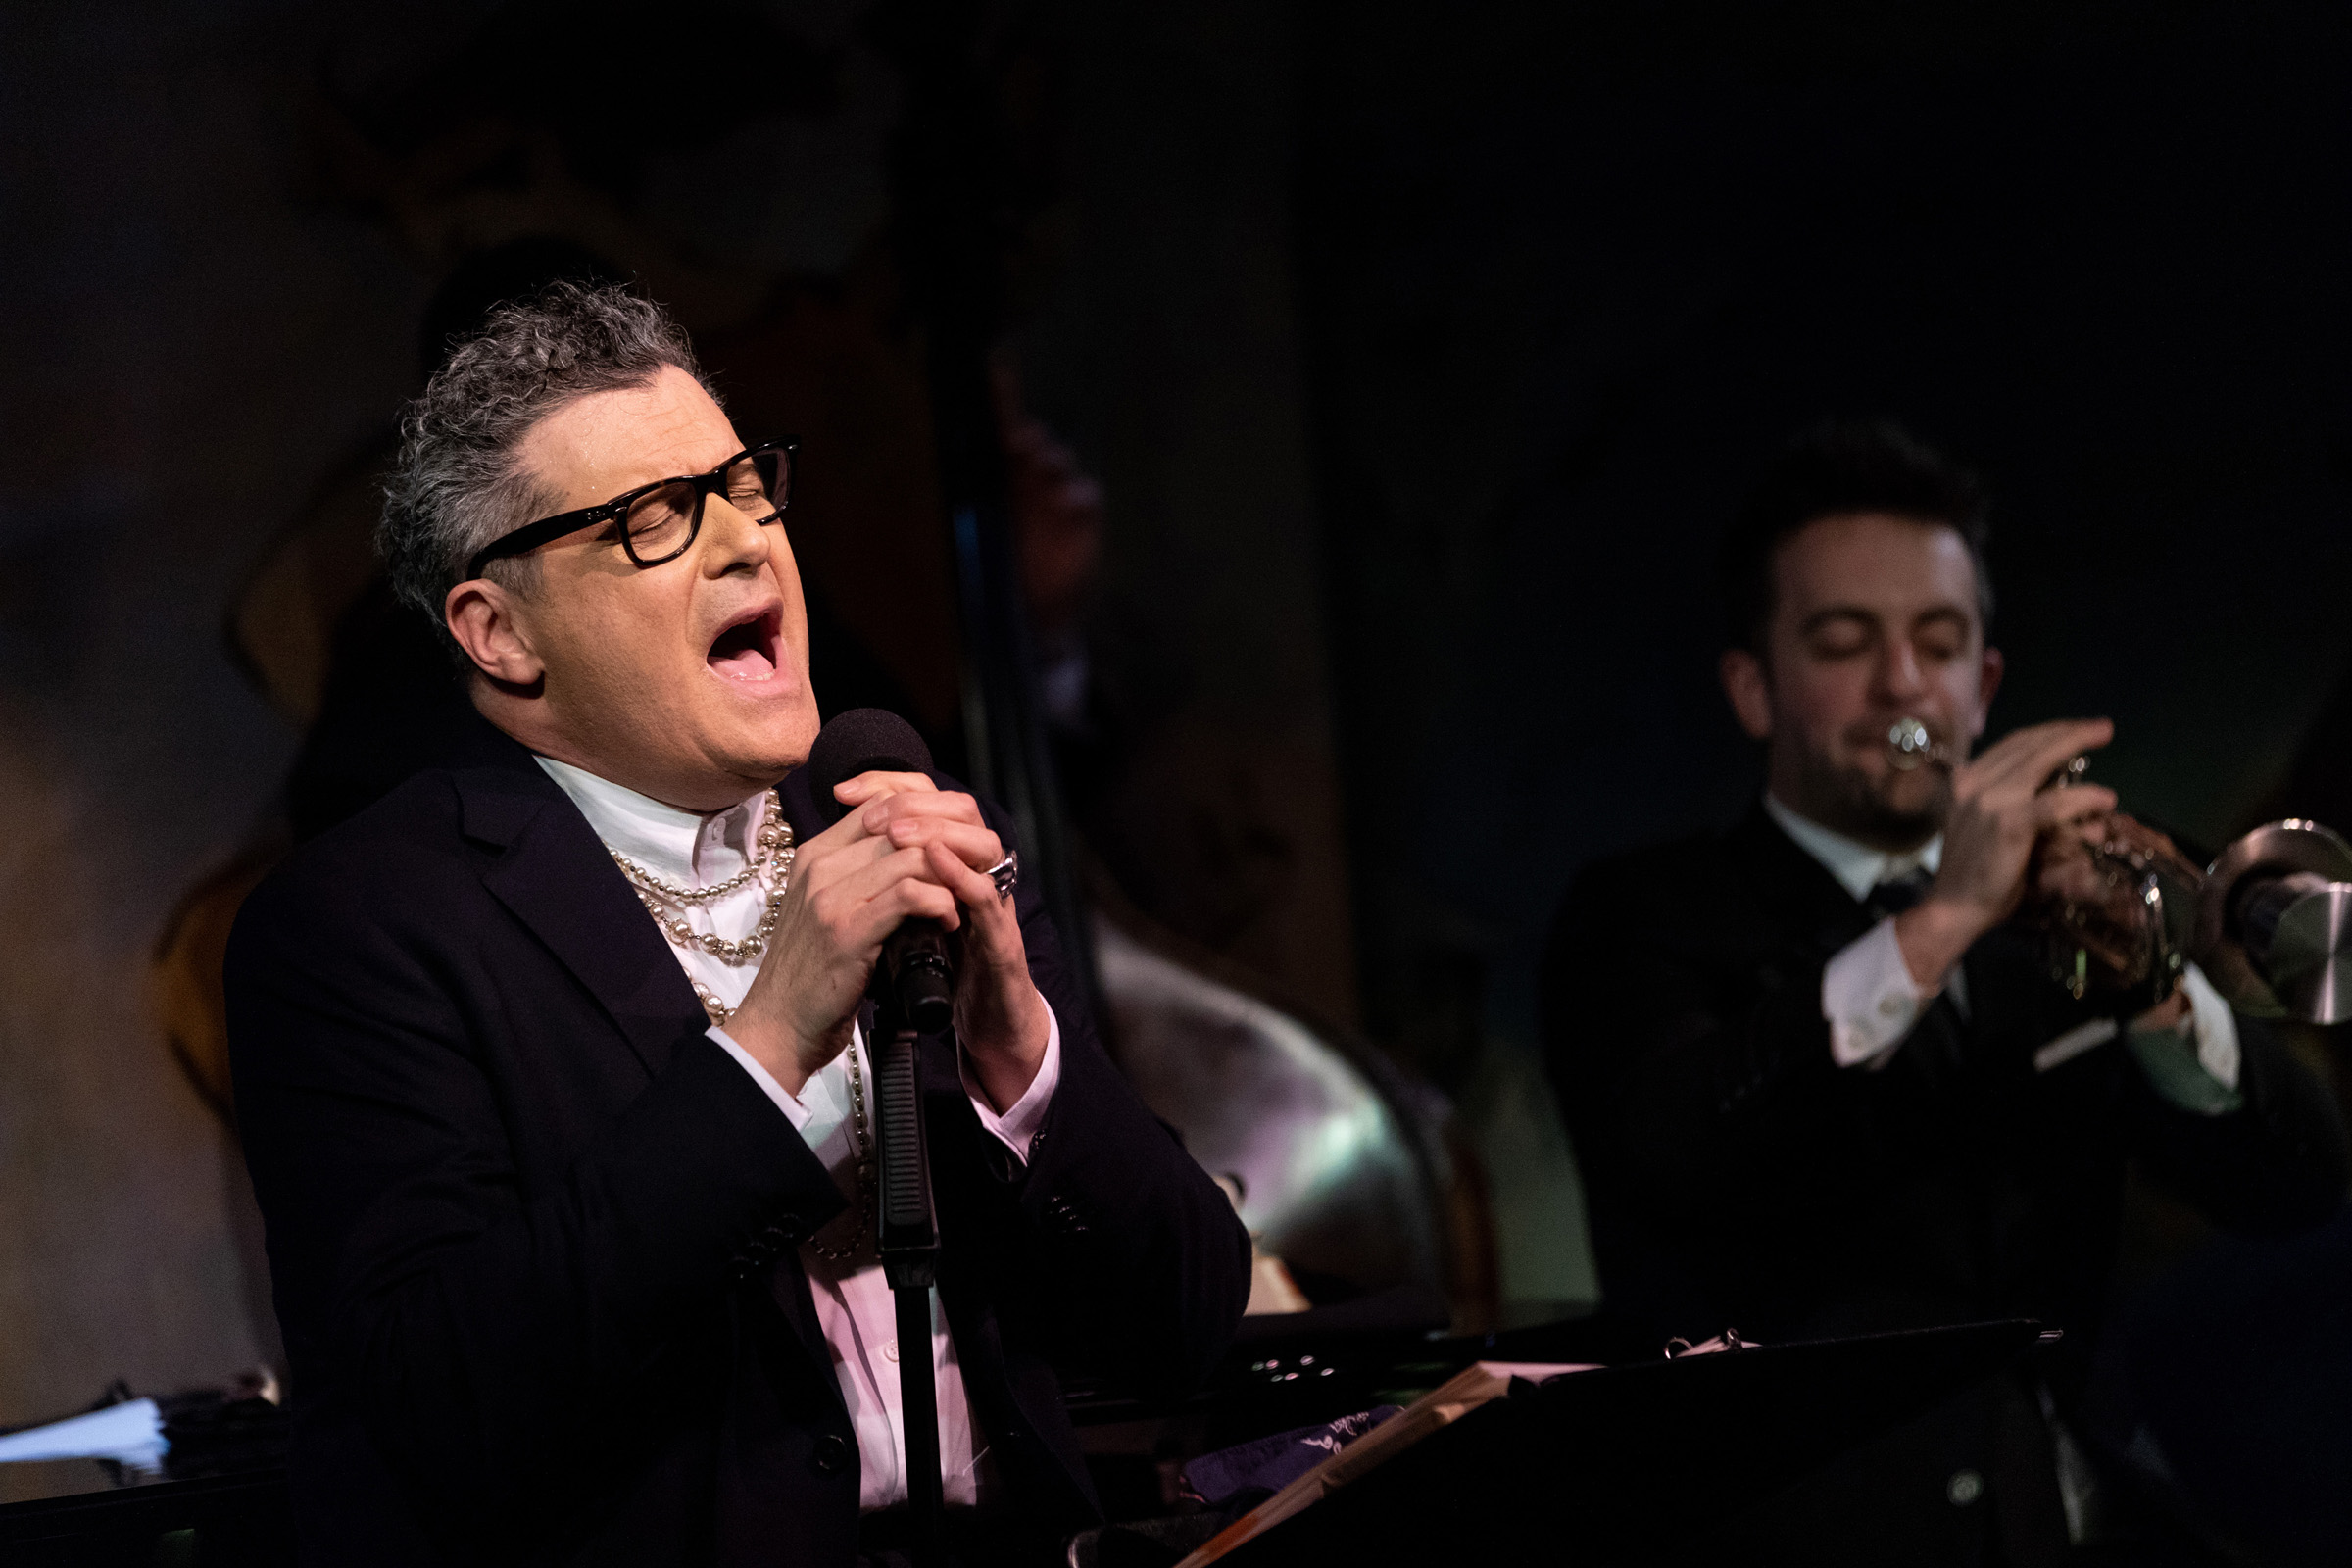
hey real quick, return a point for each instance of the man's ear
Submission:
(1988, 681)
(1749, 690)
(481, 617)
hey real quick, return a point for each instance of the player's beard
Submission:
(1849, 801)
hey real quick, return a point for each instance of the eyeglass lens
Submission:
(662, 523)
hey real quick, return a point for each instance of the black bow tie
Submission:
(1895, 896)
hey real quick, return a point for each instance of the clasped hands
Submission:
(904, 848)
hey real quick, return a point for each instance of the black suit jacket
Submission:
(1736, 1175)
(522, 1212)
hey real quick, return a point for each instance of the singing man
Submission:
(1818, 1086)
(549, 1066)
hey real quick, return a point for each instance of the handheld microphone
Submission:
(914, 992)
(914, 969)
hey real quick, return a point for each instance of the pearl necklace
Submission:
(775, 853)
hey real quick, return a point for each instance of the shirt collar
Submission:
(1857, 866)
(688, 847)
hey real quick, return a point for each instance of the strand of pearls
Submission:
(774, 854)
(775, 839)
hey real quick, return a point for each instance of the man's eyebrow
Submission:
(1946, 611)
(1835, 613)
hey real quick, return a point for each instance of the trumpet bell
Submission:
(2275, 924)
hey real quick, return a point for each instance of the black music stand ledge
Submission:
(237, 1520)
(1623, 1463)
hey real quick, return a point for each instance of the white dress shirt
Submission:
(854, 1305)
(1871, 1000)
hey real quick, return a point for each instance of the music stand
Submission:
(1617, 1464)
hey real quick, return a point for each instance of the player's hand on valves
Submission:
(2000, 808)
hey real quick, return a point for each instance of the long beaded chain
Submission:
(776, 852)
(862, 1148)
(861, 1142)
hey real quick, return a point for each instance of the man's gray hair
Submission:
(459, 482)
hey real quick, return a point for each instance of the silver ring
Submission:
(1006, 873)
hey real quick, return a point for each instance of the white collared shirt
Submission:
(854, 1305)
(1857, 866)
(1872, 1001)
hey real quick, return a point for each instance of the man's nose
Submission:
(1899, 675)
(732, 540)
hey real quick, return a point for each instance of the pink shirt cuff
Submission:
(1021, 1120)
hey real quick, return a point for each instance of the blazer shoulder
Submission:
(1722, 891)
(1641, 876)
(403, 855)
(1689, 852)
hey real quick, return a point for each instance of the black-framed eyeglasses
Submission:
(658, 522)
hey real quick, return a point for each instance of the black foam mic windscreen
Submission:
(863, 740)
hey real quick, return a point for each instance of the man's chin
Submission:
(1886, 827)
(770, 748)
(1891, 819)
(1895, 812)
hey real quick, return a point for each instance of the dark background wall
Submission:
(186, 347)
(1419, 350)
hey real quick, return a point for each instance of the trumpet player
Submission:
(1819, 1085)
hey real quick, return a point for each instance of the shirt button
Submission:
(1890, 1006)
(890, 1351)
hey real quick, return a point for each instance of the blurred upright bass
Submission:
(1332, 1158)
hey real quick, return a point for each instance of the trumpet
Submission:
(1912, 746)
(2123, 912)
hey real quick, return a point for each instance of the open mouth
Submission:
(748, 648)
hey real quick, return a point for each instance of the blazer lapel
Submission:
(556, 878)
(559, 880)
(1817, 909)
(1809, 902)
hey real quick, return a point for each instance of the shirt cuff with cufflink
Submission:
(1021, 1120)
(1871, 1003)
(1870, 999)
(2195, 1065)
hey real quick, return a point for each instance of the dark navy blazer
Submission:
(522, 1212)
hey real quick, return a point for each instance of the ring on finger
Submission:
(1006, 873)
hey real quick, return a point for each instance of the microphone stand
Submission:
(906, 1236)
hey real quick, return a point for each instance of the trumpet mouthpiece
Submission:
(1909, 745)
